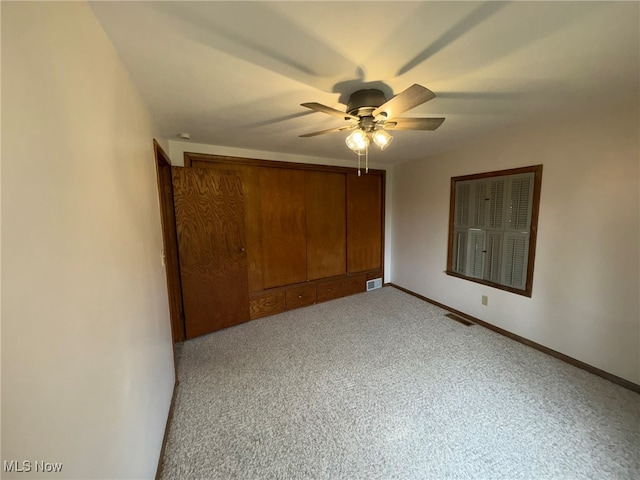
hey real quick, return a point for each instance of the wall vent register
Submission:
(373, 284)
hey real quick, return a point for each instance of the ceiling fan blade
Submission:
(330, 130)
(413, 124)
(406, 100)
(318, 107)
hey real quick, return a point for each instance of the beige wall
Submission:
(586, 282)
(87, 366)
(178, 147)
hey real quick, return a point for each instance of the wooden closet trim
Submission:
(189, 158)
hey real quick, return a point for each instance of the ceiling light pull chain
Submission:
(358, 162)
(366, 160)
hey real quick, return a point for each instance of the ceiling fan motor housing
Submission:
(363, 102)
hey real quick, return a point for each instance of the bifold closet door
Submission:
(284, 242)
(326, 224)
(210, 216)
(364, 222)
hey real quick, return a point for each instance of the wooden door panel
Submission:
(364, 222)
(253, 226)
(211, 239)
(326, 224)
(250, 176)
(284, 249)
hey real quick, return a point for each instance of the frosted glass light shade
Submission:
(357, 140)
(382, 138)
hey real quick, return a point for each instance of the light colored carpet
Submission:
(382, 385)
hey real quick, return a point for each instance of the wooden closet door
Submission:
(250, 177)
(364, 222)
(284, 244)
(326, 224)
(211, 241)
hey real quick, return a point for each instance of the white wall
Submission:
(586, 284)
(87, 365)
(177, 149)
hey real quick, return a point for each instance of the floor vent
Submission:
(373, 284)
(461, 320)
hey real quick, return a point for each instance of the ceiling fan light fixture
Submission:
(382, 138)
(357, 141)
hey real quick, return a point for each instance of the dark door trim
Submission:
(170, 243)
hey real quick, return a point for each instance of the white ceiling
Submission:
(234, 73)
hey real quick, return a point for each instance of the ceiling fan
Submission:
(370, 114)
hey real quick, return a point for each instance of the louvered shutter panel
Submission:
(459, 250)
(496, 203)
(478, 203)
(475, 253)
(492, 224)
(492, 268)
(514, 259)
(463, 197)
(520, 199)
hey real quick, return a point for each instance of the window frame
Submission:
(533, 230)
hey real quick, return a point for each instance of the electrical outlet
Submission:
(485, 300)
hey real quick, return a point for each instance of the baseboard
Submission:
(166, 430)
(561, 356)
